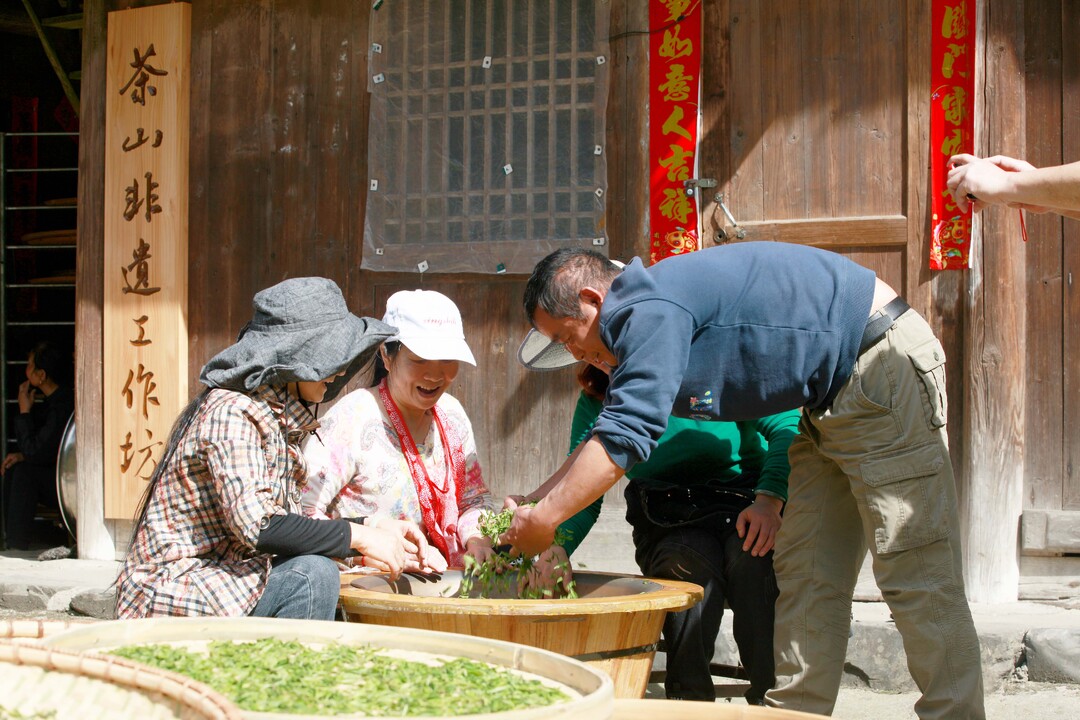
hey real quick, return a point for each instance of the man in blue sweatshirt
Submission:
(752, 329)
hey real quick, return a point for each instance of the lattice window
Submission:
(486, 137)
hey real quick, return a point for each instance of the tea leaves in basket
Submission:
(282, 676)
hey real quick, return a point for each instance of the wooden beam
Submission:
(832, 232)
(64, 22)
(94, 539)
(61, 73)
(996, 328)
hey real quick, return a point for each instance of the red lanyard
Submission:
(439, 508)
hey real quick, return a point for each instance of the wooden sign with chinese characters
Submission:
(952, 104)
(146, 243)
(674, 89)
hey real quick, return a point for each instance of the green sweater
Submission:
(691, 452)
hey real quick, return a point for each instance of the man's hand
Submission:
(27, 394)
(12, 459)
(512, 501)
(530, 532)
(976, 183)
(757, 525)
(544, 576)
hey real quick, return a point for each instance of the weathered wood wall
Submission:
(1049, 115)
(278, 185)
(814, 124)
(994, 420)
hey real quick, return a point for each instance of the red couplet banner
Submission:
(674, 90)
(952, 103)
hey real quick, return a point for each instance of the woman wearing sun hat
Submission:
(404, 449)
(220, 531)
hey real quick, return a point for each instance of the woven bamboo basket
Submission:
(614, 625)
(24, 630)
(590, 692)
(681, 710)
(37, 680)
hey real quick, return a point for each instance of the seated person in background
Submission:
(705, 508)
(220, 530)
(405, 448)
(30, 472)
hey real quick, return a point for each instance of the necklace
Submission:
(439, 509)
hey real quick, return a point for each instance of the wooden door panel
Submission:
(1070, 145)
(806, 127)
(813, 114)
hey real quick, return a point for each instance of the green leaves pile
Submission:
(9, 714)
(497, 574)
(283, 676)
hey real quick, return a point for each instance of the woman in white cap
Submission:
(404, 449)
(220, 530)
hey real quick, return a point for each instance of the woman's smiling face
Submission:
(417, 384)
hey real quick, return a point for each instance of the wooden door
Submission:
(812, 127)
(1046, 134)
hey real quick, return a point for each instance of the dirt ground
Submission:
(1019, 700)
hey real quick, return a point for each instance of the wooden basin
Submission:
(613, 626)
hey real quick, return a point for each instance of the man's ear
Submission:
(592, 296)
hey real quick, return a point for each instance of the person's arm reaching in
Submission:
(1002, 180)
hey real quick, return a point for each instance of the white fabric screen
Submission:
(486, 136)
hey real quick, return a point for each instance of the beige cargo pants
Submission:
(873, 470)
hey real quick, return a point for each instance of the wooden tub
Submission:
(613, 626)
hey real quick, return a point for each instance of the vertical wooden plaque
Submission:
(146, 243)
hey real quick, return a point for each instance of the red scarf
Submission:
(438, 505)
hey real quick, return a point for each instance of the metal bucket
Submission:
(66, 477)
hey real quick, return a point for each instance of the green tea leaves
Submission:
(285, 676)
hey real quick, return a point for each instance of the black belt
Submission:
(879, 323)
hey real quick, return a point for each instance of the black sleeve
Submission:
(293, 534)
(39, 431)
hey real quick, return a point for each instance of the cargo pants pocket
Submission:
(929, 361)
(906, 498)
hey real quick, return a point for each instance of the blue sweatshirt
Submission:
(735, 332)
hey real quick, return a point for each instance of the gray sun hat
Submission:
(302, 331)
(537, 352)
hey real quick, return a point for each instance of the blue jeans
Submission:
(708, 552)
(304, 587)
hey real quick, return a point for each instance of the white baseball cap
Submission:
(429, 324)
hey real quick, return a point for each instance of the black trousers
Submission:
(26, 486)
(709, 552)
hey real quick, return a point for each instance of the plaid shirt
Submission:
(237, 464)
